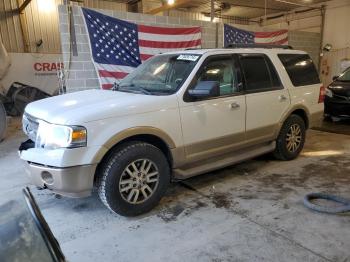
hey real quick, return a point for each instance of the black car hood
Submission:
(340, 88)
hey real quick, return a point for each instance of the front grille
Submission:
(30, 126)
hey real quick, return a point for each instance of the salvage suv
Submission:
(177, 115)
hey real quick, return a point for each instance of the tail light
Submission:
(322, 94)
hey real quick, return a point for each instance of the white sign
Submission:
(188, 57)
(37, 70)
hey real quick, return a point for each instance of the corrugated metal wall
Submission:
(40, 25)
(10, 30)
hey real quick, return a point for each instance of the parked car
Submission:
(177, 115)
(337, 100)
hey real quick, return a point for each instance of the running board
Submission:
(223, 161)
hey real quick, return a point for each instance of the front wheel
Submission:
(133, 178)
(291, 138)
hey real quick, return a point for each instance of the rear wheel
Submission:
(134, 178)
(291, 138)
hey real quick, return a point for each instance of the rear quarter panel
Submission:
(301, 97)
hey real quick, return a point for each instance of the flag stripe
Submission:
(127, 69)
(163, 44)
(155, 51)
(114, 74)
(271, 39)
(107, 86)
(108, 80)
(144, 57)
(168, 30)
(270, 34)
(169, 38)
(119, 46)
(280, 42)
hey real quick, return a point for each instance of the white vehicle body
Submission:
(224, 130)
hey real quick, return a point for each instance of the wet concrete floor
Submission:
(248, 212)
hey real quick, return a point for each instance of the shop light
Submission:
(171, 2)
(46, 6)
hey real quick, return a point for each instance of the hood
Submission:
(341, 88)
(91, 105)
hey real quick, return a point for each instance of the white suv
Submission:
(177, 115)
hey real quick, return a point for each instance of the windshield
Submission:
(345, 76)
(160, 75)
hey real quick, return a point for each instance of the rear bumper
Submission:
(337, 108)
(74, 181)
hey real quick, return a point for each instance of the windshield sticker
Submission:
(188, 57)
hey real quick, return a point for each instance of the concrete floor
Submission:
(248, 212)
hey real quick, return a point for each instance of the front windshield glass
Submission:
(345, 76)
(160, 75)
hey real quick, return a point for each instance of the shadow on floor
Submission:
(338, 127)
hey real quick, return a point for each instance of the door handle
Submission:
(282, 98)
(234, 105)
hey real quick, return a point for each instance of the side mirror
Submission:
(335, 78)
(205, 89)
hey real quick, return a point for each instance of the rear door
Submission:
(267, 100)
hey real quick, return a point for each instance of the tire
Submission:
(118, 178)
(284, 150)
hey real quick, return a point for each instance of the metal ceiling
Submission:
(249, 8)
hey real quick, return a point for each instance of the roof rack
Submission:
(267, 46)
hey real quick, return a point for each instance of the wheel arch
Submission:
(299, 110)
(151, 135)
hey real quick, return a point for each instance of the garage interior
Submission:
(251, 211)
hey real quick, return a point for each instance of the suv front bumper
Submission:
(68, 172)
(74, 181)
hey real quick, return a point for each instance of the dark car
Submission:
(337, 99)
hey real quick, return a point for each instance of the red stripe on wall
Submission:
(168, 30)
(157, 44)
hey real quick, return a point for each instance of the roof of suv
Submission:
(240, 50)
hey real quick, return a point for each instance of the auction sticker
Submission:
(188, 57)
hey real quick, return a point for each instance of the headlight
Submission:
(329, 92)
(56, 136)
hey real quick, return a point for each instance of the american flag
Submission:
(118, 46)
(233, 35)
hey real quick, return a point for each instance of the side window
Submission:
(220, 69)
(300, 68)
(259, 73)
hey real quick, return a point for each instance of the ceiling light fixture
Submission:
(46, 6)
(171, 2)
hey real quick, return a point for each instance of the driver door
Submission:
(214, 125)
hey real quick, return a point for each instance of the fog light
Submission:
(47, 178)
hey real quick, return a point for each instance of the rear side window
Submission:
(300, 68)
(259, 73)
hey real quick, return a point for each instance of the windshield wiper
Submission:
(135, 88)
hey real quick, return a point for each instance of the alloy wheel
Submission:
(293, 138)
(139, 181)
